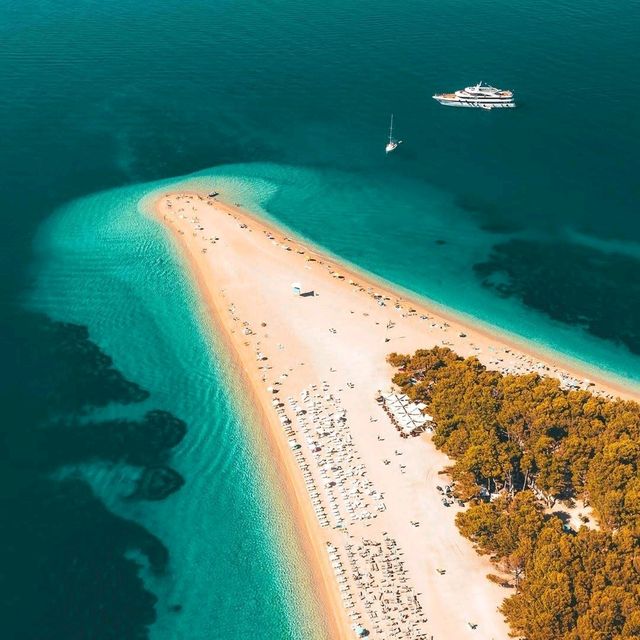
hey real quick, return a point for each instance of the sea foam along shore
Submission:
(314, 364)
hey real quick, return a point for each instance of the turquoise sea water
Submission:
(526, 219)
(235, 567)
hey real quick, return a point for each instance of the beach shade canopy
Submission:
(296, 287)
(360, 631)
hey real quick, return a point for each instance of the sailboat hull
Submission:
(392, 144)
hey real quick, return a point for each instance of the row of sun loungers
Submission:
(321, 427)
(372, 580)
(380, 598)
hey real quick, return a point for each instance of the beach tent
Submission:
(296, 287)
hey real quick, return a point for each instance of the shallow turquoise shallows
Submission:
(526, 219)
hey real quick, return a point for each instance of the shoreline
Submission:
(615, 385)
(224, 320)
(295, 493)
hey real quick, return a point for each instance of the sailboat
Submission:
(393, 143)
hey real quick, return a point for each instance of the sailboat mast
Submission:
(391, 129)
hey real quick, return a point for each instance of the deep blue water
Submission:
(526, 219)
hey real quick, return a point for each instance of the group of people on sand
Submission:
(387, 601)
(373, 582)
(322, 424)
(520, 363)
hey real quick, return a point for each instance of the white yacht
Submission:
(393, 143)
(480, 96)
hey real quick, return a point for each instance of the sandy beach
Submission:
(383, 549)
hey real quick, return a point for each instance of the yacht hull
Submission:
(476, 105)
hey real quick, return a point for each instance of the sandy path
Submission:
(337, 339)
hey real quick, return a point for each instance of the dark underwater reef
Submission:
(68, 567)
(571, 283)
